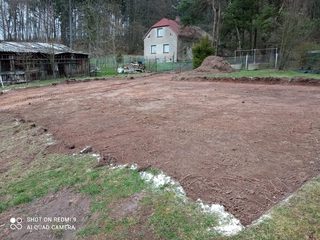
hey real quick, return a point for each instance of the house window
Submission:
(160, 32)
(165, 48)
(153, 49)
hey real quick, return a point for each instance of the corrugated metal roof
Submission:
(314, 51)
(36, 47)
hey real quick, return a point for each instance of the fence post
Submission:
(1, 81)
(247, 59)
(276, 62)
(172, 62)
(155, 61)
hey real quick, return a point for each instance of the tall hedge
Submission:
(201, 51)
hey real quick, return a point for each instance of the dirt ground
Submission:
(64, 208)
(245, 146)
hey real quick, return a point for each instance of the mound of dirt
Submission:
(214, 64)
(211, 65)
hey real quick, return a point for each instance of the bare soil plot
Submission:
(245, 146)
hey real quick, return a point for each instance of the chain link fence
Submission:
(254, 58)
(112, 65)
(242, 59)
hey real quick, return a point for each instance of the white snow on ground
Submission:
(261, 219)
(50, 140)
(161, 180)
(228, 224)
(96, 155)
(4, 91)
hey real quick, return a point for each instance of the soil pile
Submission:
(214, 64)
(211, 65)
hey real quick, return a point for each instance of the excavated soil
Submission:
(213, 65)
(243, 145)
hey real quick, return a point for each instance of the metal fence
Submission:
(167, 65)
(111, 64)
(242, 59)
(254, 58)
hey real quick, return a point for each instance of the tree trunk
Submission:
(214, 22)
(218, 30)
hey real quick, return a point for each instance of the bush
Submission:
(201, 51)
(119, 58)
(301, 55)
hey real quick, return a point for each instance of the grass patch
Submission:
(109, 71)
(298, 218)
(46, 175)
(39, 83)
(89, 231)
(160, 215)
(173, 218)
(266, 73)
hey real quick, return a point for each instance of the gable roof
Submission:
(186, 31)
(164, 22)
(36, 47)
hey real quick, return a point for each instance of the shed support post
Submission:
(1, 81)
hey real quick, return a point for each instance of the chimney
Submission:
(177, 19)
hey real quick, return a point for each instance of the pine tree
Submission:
(201, 51)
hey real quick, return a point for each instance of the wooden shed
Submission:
(27, 61)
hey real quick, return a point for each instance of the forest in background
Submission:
(102, 27)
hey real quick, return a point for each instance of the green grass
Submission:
(45, 176)
(266, 73)
(298, 218)
(174, 219)
(108, 70)
(38, 83)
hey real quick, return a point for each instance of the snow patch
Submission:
(118, 166)
(261, 219)
(50, 140)
(228, 224)
(162, 180)
(132, 167)
(96, 155)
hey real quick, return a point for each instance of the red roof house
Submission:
(167, 40)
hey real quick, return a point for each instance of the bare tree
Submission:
(295, 27)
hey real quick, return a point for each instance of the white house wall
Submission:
(185, 48)
(169, 37)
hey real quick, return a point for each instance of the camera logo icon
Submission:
(15, 223)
